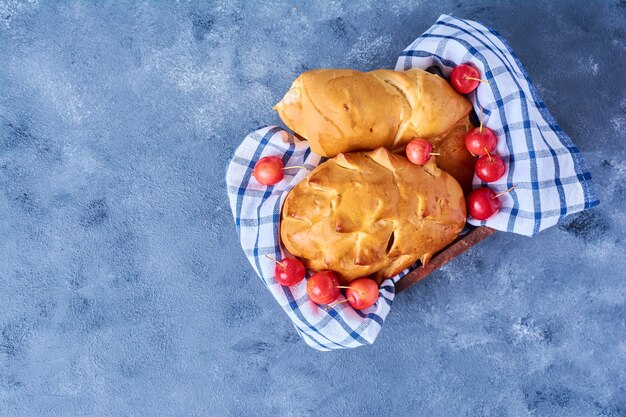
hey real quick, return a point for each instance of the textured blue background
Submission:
(123, 290)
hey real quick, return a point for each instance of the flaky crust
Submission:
(342, 110)
(371, 213)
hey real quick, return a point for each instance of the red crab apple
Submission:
(362, 293)
(419, 151)
(323, 287)
(465, 78)
(288, 271)
(269, 170)
(490, 168)
(483, 202)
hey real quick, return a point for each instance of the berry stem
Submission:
(294, 166)
(504, 192)
(336, 303)
(488, 154)
(481, 119)
(434, 153)
(476, 79)
(279, 263)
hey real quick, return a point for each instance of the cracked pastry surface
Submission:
(371, 213)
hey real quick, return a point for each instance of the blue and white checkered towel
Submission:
(542, 161)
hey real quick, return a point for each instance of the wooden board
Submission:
(453, 250)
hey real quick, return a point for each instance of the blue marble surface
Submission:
(123, 289)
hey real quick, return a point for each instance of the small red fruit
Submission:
(490, 168)
(479, 138)
(289, 271)
(482, 203)
(269, 170)
(362, 293)
(418, 151)
(323, 287)
(464, 78)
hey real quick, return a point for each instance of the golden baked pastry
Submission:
(342, 110)
(455, 159)
(371, 213)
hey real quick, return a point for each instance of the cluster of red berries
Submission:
(323, 286)
(482, 202)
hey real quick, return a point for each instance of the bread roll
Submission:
(365, 213)
(341, 110)
(454, 157)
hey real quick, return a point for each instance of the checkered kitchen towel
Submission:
(543, 164)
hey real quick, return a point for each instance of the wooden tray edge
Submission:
(440, 259)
